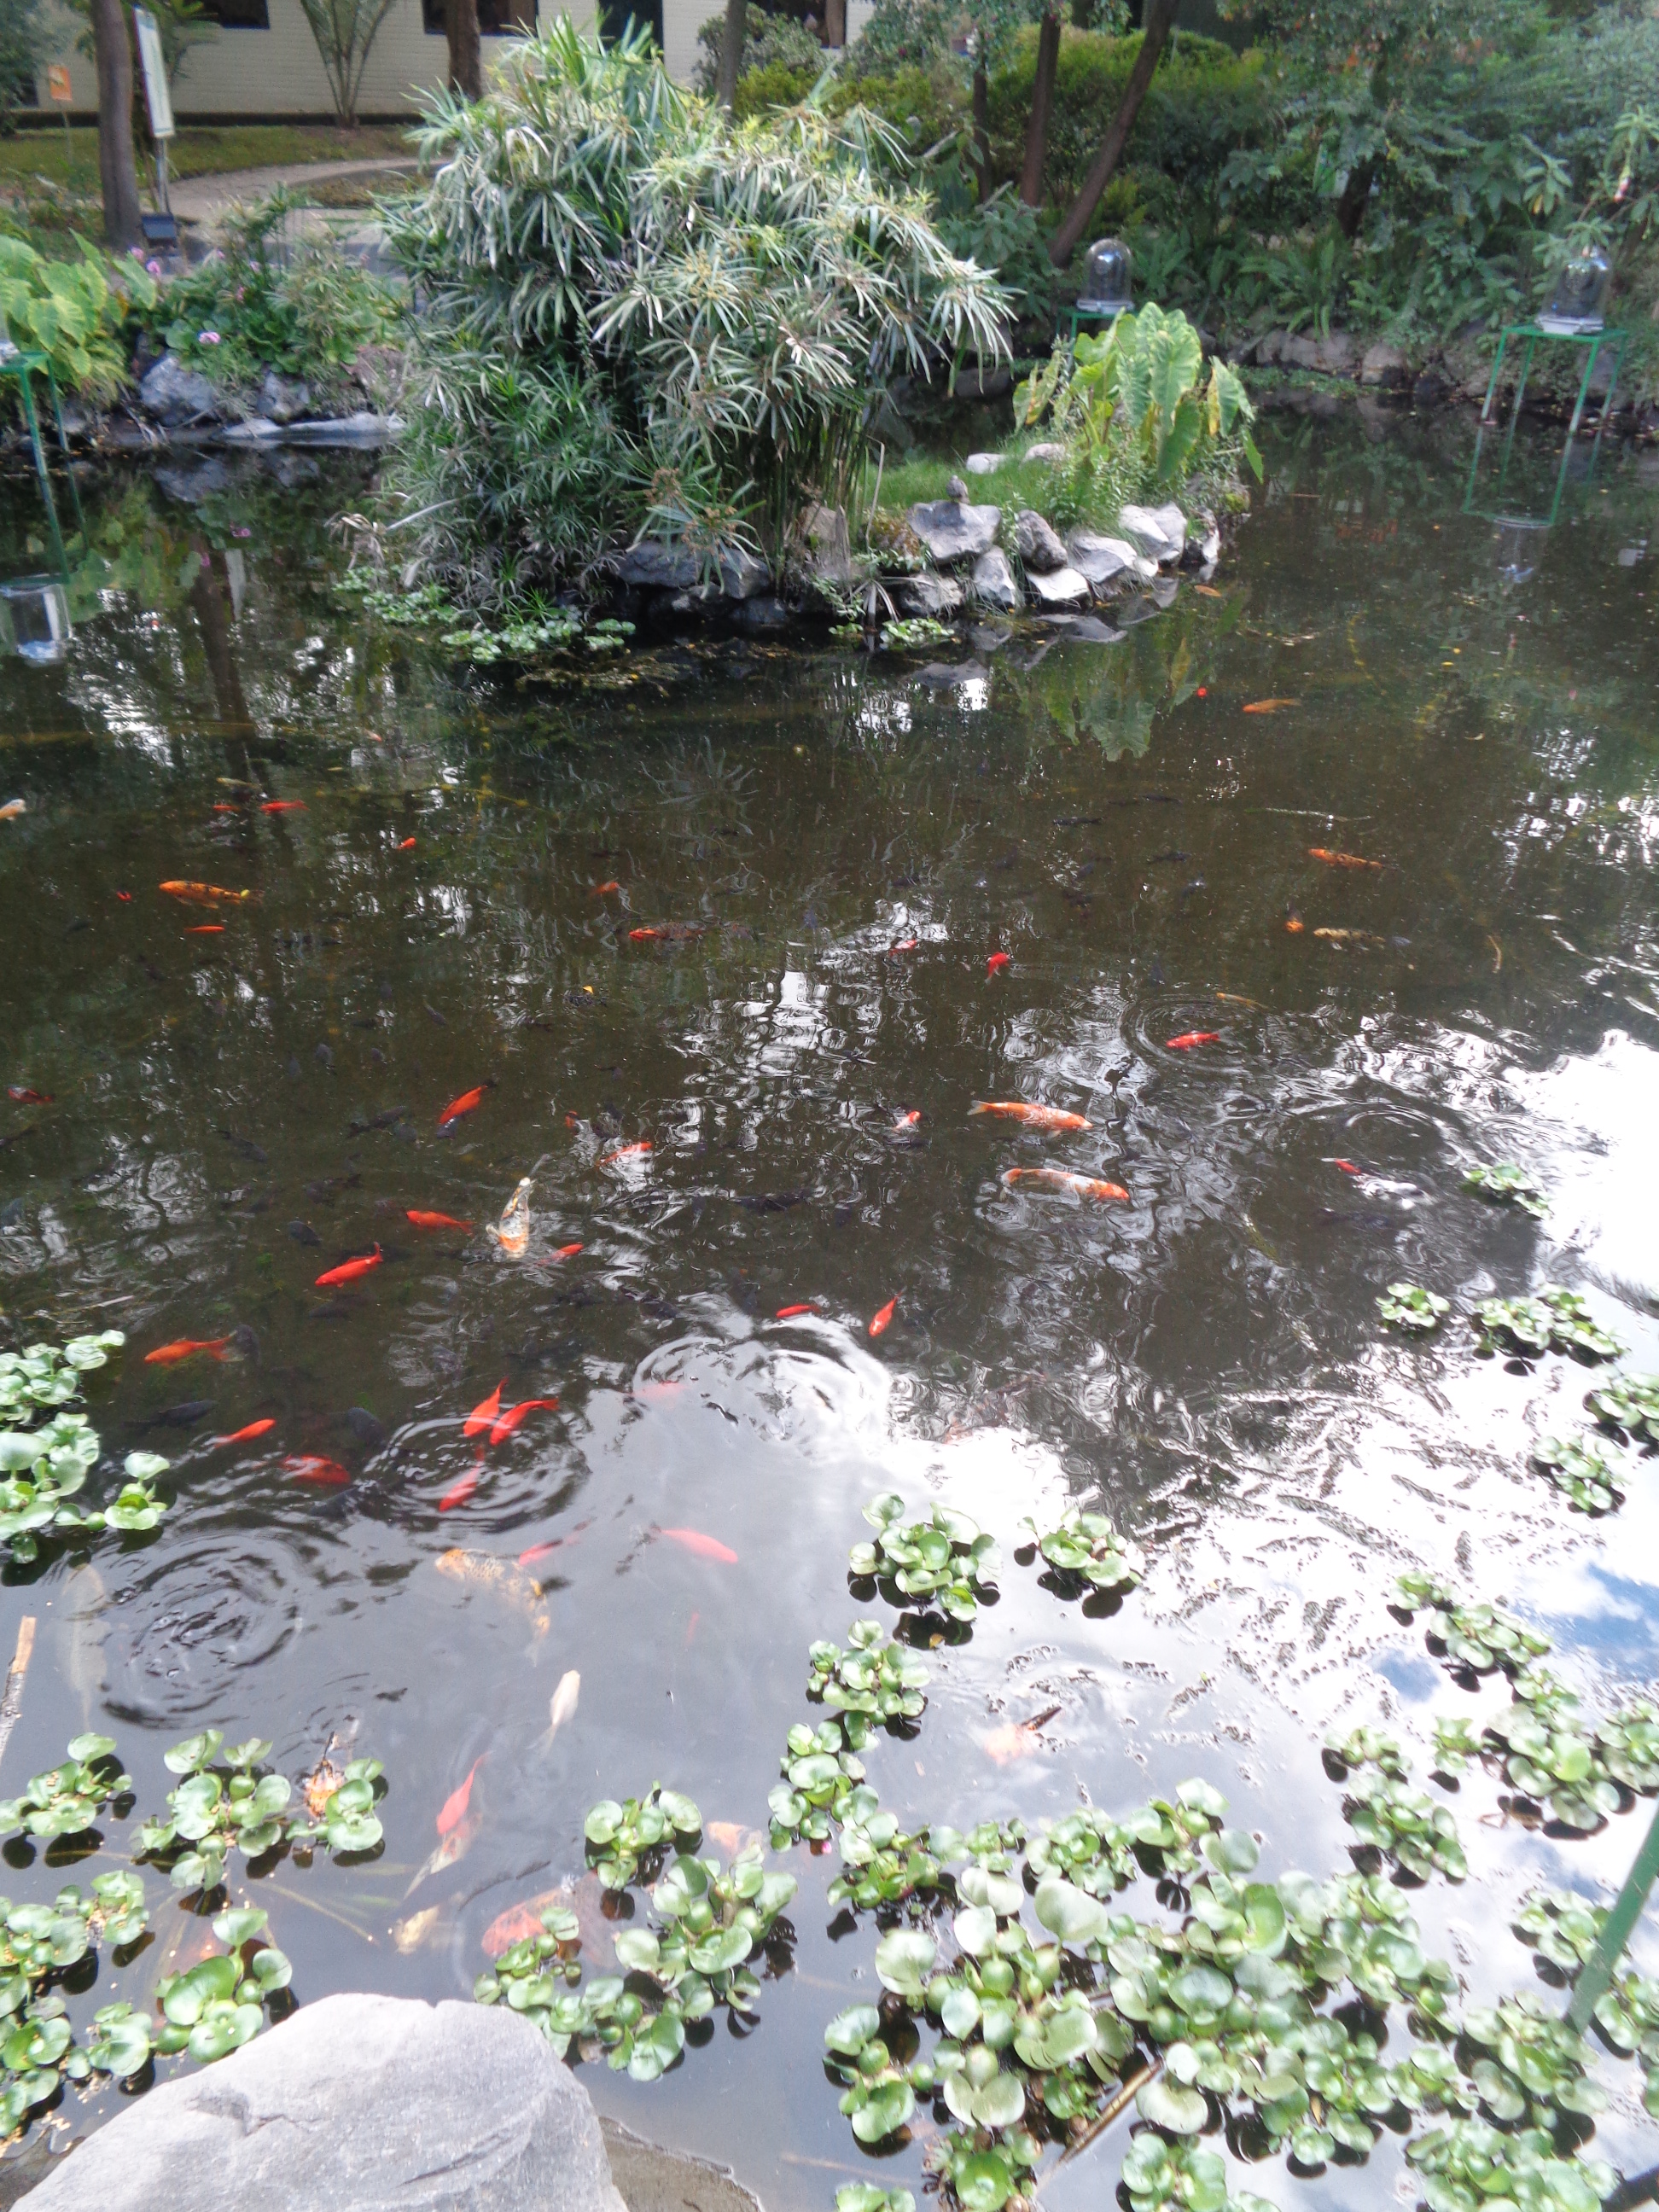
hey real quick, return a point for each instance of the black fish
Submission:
(1075, 821)
(1197, 884)
(774, 1201)
(80, 923)
(363, 1021)
(436, 1016)
(293, 1068)
(245, 1340)
(323, 1056)
(303, 1233)
(385, 1121)
(330, 1187)
(246, 1146)
(185, 1416)
(364, 1426)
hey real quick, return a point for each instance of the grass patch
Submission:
(69, 158)
(1040, 485)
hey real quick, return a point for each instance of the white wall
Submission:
(279, 71)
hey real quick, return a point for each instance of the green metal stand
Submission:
(1081, 314)
(1597, 1971)
(1532, 332)
(23, 367)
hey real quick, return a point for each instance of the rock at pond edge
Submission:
(1059, 587)
(1037, 543)
(926, 594)
(993, 582)
(356, 2102)
(954, 532)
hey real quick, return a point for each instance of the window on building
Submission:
(497, 18)
(237, 14)
(616, 15)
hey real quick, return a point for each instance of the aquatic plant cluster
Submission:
(1238, 2005)
(46, 1463)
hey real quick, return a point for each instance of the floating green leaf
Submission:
(1507, 1185)
(1409, 1307)
(943, 1560)
(1086, 1549)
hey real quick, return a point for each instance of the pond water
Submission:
(450, 901)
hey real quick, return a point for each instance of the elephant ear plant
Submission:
(48, 1448)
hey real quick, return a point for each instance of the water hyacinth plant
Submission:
(1556, 1319)
(1408, 1306)
(225, 1802)
(1507, 1185)
(1629, 1402)
(1581, 1471)
(943, 1560)
(217, 2005)
(641, 316)
(66, 1800)
(1086, 1550)
(44, 1466)
(41, 1944)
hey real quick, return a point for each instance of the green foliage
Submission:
(1480, 1637)
(911, 634)
(23, 49)
(945, 1560)
(1412, 1833)
(217, 2005)
(1556, 1319)
(345, 30)
(39, 1945)
(1085, 1548)
(72, 311)
(41, 1468)
(620, 1836)
(771, 44)
(66, 1800)
(1582, 1471)
(876, 1676)
(224, 1801)
(1507, 1185)
(1467, 2163)
(700, 383)
(1629, 1402)
(250, 307)
(1409, 1307)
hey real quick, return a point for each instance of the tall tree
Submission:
(465, 52)
(736, 27)
(1042, 103)
(1157, 22)
(116, 173)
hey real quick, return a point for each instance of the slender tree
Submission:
(116, 172)
(1043, 102)
(465, 53)
(736, 26)
(1157, 23)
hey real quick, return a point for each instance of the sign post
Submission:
(156, 95)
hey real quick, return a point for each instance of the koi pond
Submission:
(1282, 1794)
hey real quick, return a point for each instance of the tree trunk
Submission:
(1043, 101)
(1351, 207)
(1159, 19)
(982, 132)
(834, 22)
(466, 55)
(732, 38)
(115, 170)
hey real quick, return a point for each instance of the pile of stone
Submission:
(968, 547)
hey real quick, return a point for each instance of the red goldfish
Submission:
(1347, 1167)
(1341, 860)
(485, 1413)
(1270, 706)
(434, 1220)
(468, 1102)
(1035, 1117)
(1188, 1038)
(907, 1120)
(453, 1811)
(564, 1252)
(199, 894)
(705, 1547)
(21, 1095)
(880, 1325)
(904, 945)
(539, 1552)
(1082, 1186)
(460, 1492)
(508, 1422)
(599, 890)
(327, 1473)
(244, 1435)
(349, 1270)
(626, 1152)
(205, 929)
(407, 845)
(997, 961)
(284, 806)
(169, 1355)
(788, 1313)
(1295, 924)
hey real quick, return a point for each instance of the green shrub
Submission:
(245, 309)
(776, 84)
(73, 311)
(640, 315)
(767, 41)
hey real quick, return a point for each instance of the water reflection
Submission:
(830, 848)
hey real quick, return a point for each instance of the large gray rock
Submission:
(952, 530)
(365, 428)
(1103, 559)
(1037, 543)
(284, 399)
(984, 465)
(1386, 366)
(1159, 532)
(174, 395)
(357, 2104)
(664, 568)
(744, 575)
(827, 548)
(926, 594)
(653, 2179)
(994, 584)
(1047, 450)
(1059, 587)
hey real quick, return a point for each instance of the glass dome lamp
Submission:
(1517, 541)
(1581, 290)
(1106, 286)
(35, 619)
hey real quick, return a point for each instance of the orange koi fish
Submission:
(601, 891)
(199, 894)
(1081, 1186)
(224, 806)
(169, 1355)
(997, 961)
(1035, 1117)
(422, 1220)
(564, 1252)
(1188, 1038)
(1270, 706)
(284, 806)
(407, 846)
(904, 945)
(468, 1102)
(1295, 924)
(1347, 1167)
(485, 1414)
(667, 933)
(508, 1422)
(461, 1492)
(625, 1152)
(205, 929)
(907, 1120)
(788, 1313)
(704, 1547)
(539, 1552)
(21, 1095)
(327, 1473)
(1342, 860)
(453, 1811)
(881, 1321)
(243, 1436)
(349, 1270)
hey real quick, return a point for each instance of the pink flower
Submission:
(207, 338)
(154, 268)
(241, 531)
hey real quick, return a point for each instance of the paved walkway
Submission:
(203, 200)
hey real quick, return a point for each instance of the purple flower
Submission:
(154, 268)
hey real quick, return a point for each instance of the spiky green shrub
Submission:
(638, 315)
